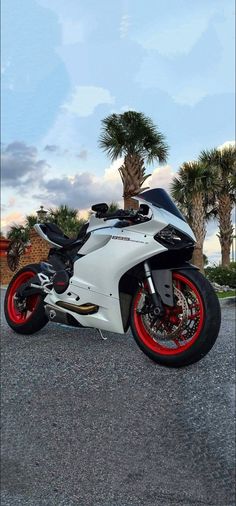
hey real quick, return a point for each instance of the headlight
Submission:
(171, 237)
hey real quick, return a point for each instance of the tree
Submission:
(134, 136)
(193, 189)
(30, 220)
(223, 163)
(67, 219)
(112, 207)
(18, 232)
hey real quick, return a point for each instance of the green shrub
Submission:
(222, 275)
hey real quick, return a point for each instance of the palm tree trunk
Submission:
(197, 258)
(199, 229)
(132, 173)
(130, 203)
(226, 227)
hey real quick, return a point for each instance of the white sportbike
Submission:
(125, 269)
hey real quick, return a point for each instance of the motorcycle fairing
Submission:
(108, 254)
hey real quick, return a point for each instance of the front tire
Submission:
(33, 317)
(186, 332)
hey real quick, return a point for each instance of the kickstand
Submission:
(101, 334)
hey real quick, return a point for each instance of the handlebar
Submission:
(121, 215)
(125, 214)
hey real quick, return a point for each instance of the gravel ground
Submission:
(95, 423)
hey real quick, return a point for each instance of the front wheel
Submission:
(186, 331)
(24, 316)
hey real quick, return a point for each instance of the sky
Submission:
(67, 64)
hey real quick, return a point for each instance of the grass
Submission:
(223, 295)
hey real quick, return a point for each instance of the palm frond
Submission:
(132, 133)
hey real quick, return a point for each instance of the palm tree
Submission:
(224, 162)
(18, 232)
(193, 189)
(112, 207)
(134, 136)
(67, 219)
(30, 220)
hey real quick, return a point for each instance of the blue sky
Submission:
(66, 64)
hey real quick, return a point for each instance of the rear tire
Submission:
(33, 318)
(205, 326)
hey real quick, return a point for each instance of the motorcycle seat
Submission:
(57, 236)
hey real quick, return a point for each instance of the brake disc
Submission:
(164, 330)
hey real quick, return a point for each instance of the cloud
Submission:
(161, 177)
(212, 247)
(83, 154)
(85, 99)
(175, 36)
(20, 164)
(83, 190)
(51, 148)
(10, 219)
(177, 48)
(124, 26)
(226, 144)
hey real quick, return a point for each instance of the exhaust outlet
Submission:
(84, 309)
(59, 316)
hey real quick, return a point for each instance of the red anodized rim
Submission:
(14, 314)
(181, 346)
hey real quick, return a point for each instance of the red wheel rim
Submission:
(31, 302)
(181, 344)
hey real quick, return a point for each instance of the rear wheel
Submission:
(25, 316)
(187, 331)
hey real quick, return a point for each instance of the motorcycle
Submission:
(124, 269)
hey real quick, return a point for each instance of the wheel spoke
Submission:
(180, 325)
(176, 341)
(192, 317)
(192, 306)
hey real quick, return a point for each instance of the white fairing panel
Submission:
(108, 254)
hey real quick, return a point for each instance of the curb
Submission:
(227, 301)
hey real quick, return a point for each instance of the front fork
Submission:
(156, 299)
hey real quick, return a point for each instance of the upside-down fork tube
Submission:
(159, 310)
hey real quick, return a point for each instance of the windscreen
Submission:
(160, 198)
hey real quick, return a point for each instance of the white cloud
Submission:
(83, 189)
(122, 109)
(10, 219)
(226, 144)
(197, 46)
(175, 36)
(63, 132)
(161, 177)
(189, 95)
(212, 248)
(85, 99)
(124, 26)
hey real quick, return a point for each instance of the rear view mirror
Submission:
(144, 209)
(100, 208)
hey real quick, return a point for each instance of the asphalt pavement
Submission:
(87, 422)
